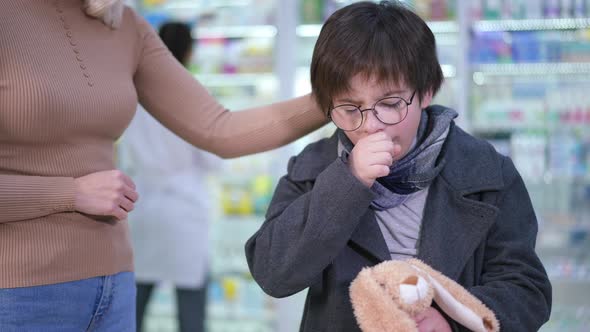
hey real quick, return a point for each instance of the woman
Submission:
(71, 73)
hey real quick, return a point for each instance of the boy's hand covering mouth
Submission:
(372, 156)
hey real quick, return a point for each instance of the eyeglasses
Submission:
(389, 110)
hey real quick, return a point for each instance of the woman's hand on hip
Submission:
(106, 193)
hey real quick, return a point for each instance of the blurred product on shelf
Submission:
(528, 154)
(434, 10)
(234, 55)
(247, 195)
(236, 198)
(247, 198)
(311, 11)
(531, 46)
(212, 12)
(528, 9)
(238, 297)
(518, 104)
(316, 11)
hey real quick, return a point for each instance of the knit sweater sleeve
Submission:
(176, 99)
(28, 197)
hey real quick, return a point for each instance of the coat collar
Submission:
(453, 225)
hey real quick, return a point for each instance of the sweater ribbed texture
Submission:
(69, 86)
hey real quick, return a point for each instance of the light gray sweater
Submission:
(401, 225)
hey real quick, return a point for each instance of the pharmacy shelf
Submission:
(529, 69)
(532, 25)
(437, 27)
(237, 31)
(229, 324)
(487, 129)
(483, 129)
(201, 6)
(239, 313)
(440, 27)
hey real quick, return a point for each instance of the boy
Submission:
(398, 179)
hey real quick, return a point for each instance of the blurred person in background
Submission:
(71, 75)
(169, 227)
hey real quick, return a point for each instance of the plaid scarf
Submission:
(419, 167)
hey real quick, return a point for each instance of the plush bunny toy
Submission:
(386, 296)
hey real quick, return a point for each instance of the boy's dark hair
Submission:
(386, 41)
(177, 37)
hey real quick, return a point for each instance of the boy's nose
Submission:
(372, 124)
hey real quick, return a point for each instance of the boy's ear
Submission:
(426, 99)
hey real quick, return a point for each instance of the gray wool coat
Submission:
(479, 229)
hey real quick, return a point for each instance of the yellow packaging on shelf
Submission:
(236, 200)
(262, 187)
(230, 288)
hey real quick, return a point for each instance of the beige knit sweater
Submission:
(69, 86)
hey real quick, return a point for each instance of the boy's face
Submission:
(365, 93)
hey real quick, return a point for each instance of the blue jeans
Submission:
(95, 305)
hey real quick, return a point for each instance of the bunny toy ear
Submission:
(457, 302)
(374, 309)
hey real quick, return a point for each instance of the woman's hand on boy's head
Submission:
(372, 156)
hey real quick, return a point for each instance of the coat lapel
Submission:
(452, 228)
(453, 225)
(368, 238)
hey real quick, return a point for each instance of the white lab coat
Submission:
(170, 223)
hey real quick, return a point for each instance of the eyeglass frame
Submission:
(358, 107)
